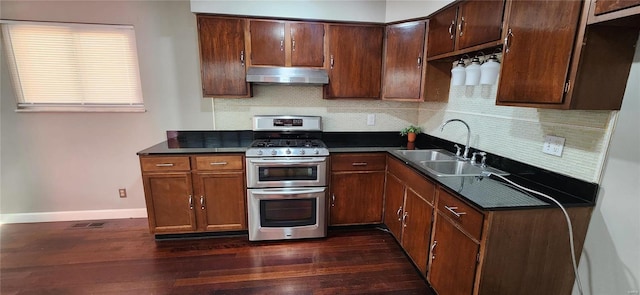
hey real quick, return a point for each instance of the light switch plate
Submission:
(371, 119)
(553, 145)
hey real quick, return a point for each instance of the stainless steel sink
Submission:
(418, 156)
(458, 168)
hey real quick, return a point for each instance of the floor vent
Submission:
(88, 225)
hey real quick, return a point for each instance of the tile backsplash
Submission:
(513, 132)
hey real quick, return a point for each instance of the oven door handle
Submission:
(288, 191)
(287, 161)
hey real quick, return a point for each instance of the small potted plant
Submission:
(410, 132)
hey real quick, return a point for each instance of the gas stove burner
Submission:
(287, 136)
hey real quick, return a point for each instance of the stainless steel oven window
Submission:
(288, 213)
(286, 172)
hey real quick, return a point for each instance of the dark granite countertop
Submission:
(487, 193)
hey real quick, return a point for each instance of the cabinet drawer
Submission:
(218, 162)
(358, 162)
(466, 216)
(152, 164)
(414, 180)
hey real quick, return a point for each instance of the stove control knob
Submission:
(302, 152)
(259, 152)
(316, 151)
(274, 152)
(288, 151)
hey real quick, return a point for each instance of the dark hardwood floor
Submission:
(121, 257)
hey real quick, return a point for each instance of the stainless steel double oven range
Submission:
(287, 178)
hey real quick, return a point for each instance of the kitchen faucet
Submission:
(466, 147)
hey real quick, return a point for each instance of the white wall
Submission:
(68, 163)
(611, 259)
(398, 10)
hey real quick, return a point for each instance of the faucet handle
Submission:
(483, 161)
(458, 149)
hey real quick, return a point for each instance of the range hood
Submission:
(287, 75)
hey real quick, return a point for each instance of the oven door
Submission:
(286, 172)
(286, 213)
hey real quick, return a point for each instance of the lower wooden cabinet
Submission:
(454, 255)
(357, 188)
(409, 211)
(194, 193)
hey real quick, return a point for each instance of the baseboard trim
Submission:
(72, 215)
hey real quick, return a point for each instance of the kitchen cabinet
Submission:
(408, 210)
(454, 251)
(357, 188)
(222, 57)
(187, 194)
(476, 251)
(403, 77)
(552, 59)
(284, 43)
(465, 25)
(355, 61)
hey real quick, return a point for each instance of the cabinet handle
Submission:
(333, 200)
(293, 45)
(433, 247)
(281, 45)
(507, 41)
(359, 164)
(398, 213)
(404, 219)
(201, 202)
(165, 165)
(419, 61)
(242, 57)
(452, 26)
(460, 26)
(453, 211)
(218, 163)
(190, 202)
(331, 61)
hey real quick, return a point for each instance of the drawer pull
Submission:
(398, 213)
(190, 202)
(433, 248)
(165, 165)
(359, 164)
(202, 203)
(404, 219)
(218, 163)
(453, 211)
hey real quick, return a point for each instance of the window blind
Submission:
(68, 66)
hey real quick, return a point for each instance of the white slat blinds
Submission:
(73, 67)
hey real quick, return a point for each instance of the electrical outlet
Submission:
(553, 145)
(122, 192)
(371, 119)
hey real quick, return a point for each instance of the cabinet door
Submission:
(403, 69)
(220, 201)
(356, 197)
(170, 202)
(355, 66)
(393, 204)
(417, 218)
(442, 31)
(267, 43)
(307, 44)
(538, 51)
(222, 57)
(479, 22)
(453, 259)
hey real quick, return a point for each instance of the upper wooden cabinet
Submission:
(355, 65)
(463, 26)
(404, 71)
(552, 59)
(291, 44)
(222, 57)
